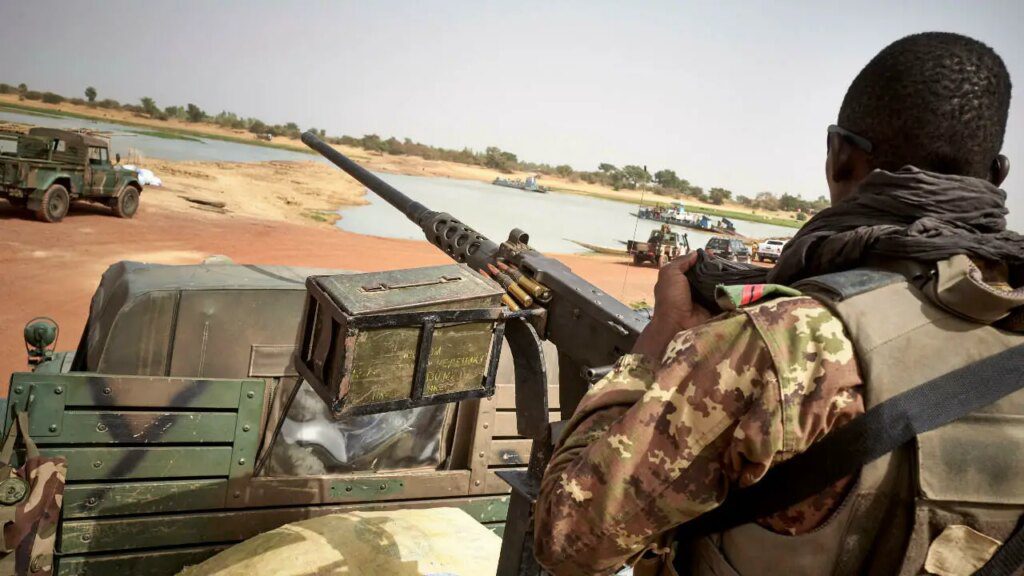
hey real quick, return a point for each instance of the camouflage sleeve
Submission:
(652, 447)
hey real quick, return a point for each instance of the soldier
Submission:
(929, 281)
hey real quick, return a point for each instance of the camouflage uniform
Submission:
(32, 498)
(651, 447)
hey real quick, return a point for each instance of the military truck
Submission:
(187, 428)
(661, 247)
(48, 168)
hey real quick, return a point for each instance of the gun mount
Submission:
(590, 328)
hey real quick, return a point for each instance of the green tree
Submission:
(667, 179)
(372, 143)
(391, 146)
(790, 202)
(636, 175)
(498, 159)
(607, 168)
(194, 113)
(22, 88)
(149, 107)
(744, 200)
(258, 127)
(766, 201)
(90, 94)
(564, 170)
(719, 195)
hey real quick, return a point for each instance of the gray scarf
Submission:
(907, 214)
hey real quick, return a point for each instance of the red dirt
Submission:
(53, 269)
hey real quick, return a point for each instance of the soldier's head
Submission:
(937, 101)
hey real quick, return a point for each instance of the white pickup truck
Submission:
(770, 250)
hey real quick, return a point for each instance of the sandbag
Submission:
(427, 542)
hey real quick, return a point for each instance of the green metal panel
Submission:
(161, 462)
(84, 500)
(96, 427)
(116, 534)
(161, 563)
(157, 392)
(498, 528)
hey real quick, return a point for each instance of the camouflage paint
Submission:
(651, 447)
(30, 177)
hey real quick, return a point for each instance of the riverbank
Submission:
(408, 165)
(300, 192)
(53, 269)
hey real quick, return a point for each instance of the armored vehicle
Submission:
(186, 427)
(47, 168)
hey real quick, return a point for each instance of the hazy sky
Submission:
(733, 94)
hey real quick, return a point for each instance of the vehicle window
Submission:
(58, 145)
(97, 155)
(774, 243)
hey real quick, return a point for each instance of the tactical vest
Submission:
(949, 493)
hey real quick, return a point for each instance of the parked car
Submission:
(770, 250)
(729, 248)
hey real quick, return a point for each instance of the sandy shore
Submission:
(276, 191)
(53, 269)
(409, 165)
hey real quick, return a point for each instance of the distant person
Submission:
(929, 280)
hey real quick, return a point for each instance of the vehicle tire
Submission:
(55, 204)
(127, 204)
(637, 260)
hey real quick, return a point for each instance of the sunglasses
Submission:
(858, 141)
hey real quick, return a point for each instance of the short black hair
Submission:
(936, 100)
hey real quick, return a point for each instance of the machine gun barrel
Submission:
(458, 240)
(411, 208)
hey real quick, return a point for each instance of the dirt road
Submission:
(53, 269)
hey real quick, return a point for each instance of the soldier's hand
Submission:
(674, 309)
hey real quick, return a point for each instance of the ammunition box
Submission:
(392, 340)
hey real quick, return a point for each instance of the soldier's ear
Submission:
(1000, 170)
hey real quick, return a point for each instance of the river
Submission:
(552, 219)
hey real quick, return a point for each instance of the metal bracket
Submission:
(363, 490)
(44, 402)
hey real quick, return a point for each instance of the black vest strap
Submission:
(879, 431)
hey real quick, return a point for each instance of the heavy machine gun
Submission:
(589, 328)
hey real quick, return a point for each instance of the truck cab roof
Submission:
(72, 137)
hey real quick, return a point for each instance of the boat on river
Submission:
(529, 185)
(677, 215)
(601, 249)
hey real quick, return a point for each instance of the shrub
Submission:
(51, 98)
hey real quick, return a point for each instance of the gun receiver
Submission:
(589, 327)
